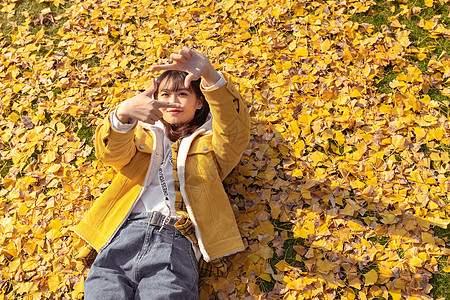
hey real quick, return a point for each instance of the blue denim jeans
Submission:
(144, 262)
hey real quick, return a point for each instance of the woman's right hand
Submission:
(194, 63)
(143, 107)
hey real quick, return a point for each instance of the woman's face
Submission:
(169, 92)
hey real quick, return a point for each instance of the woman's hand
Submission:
(194, 63)
(143, 107)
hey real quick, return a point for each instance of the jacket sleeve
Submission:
(112, 147)
(231, 125)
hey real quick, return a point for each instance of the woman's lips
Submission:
(174, 111)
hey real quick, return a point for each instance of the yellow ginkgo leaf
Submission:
(399, 142)
(371, 277)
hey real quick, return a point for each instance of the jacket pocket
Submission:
(143, 140)
(200, 161)
(200, 169)
(202, 145)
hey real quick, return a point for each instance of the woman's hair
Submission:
(176, 131)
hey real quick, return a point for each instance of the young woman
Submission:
(166, 213)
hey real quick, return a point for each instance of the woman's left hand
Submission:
(194, 63)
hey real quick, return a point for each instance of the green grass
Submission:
(5, 165)
(378, 15)
(32, 8)
(441, 280)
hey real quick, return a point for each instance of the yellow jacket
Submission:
(204, 159)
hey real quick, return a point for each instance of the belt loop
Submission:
(164, 222)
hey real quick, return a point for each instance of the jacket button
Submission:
(204, 148)
(141, 147)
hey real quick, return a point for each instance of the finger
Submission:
(149, 92)
(187, 49)
(152, 119)
(188, 79)
(162, 104)
(164, 67)
(177, 57)
(158, 115)
(185, 52)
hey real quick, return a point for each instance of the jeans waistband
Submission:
(154, 218)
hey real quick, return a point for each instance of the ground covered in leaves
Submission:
(346, 180)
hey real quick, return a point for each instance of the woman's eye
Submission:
(164, 95)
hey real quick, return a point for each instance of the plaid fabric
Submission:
(83, 251)
(184, 225)
(217, 267)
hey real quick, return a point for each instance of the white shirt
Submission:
(153, 197)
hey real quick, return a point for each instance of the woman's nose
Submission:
(174, 99)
